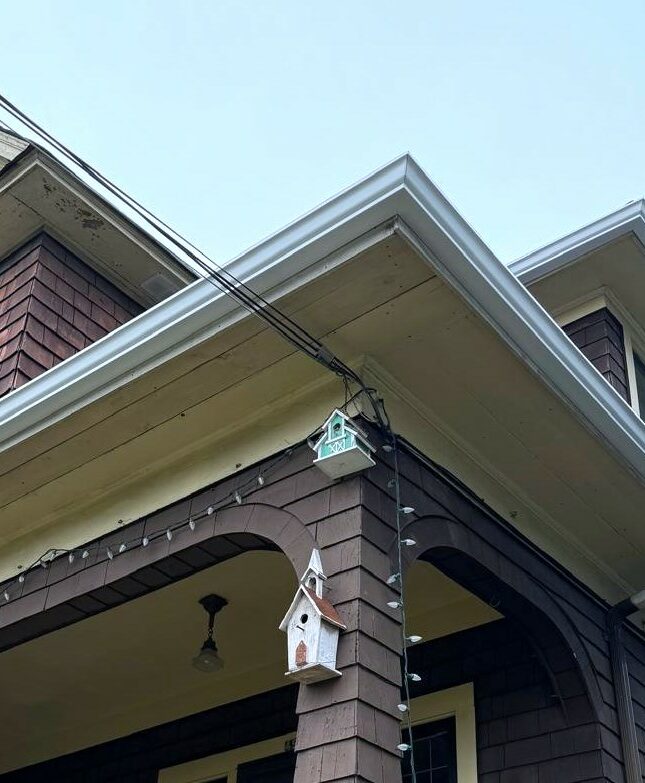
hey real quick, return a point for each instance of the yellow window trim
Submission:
(458, 702)
(223, 765)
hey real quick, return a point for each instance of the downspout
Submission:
(628, 738)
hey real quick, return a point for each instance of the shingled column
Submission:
(349, 727)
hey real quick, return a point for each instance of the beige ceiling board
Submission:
(214, 368)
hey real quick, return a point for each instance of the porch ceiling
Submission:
(453, 386)
(129, 667)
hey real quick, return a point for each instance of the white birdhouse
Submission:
(342, 448)
(312, 626)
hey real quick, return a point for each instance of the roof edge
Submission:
(564, 251)
(399, 196)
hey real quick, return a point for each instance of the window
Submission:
(435, 753)
(444, 736)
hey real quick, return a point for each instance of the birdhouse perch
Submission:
(312, 626)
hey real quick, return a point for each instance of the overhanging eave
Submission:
(397, 197)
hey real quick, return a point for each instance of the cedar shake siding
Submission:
(599, 336)
(534, 720)
(52, 305)
(544, 694)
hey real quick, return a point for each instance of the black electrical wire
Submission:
(222, 278)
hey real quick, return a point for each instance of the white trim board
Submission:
(399, 193)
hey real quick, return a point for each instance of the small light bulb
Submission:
(6, 595)
(191, 523)
(261, 480)
(210, 510)
(85, 554)
(122, 548)
(414, 677)
(393, 578)
(406, 510)
(387, 447)
(403, 747)
(394, 604)
(169, 534)
(21, 578)
(70, 557)
(414, 638)
(145, 541)
(109, 553)
(408, 542)
(238, 498)
(402, 707)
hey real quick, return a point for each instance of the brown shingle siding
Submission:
(599, 336)
(51, 306)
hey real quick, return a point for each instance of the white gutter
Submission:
(568, 249)
(307, 248)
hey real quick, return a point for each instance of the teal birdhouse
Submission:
(342, 447)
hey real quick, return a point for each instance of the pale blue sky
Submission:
(230, 119)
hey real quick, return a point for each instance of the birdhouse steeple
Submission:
(312, 626)
(314, 577)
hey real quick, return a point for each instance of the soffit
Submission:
(618, 267)
(36, 192)
(455, 388)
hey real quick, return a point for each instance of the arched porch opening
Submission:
(536, 703)
(113, 694)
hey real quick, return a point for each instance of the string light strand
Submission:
(404, 707)
(126, 544)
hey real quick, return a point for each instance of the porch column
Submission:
(349, 727)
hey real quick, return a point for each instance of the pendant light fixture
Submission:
(207, 660)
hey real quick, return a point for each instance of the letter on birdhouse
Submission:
(312, 626)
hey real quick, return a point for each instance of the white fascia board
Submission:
(568, 249)
(325, 237)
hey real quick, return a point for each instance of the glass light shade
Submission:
(208, 660)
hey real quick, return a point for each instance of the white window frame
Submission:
(224, 765)
(457, 703)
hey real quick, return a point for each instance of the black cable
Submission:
(225, 280)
